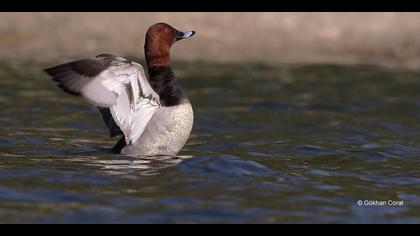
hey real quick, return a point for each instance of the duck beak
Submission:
(183, 35)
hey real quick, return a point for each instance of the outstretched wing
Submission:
(113, 83)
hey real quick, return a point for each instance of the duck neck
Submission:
(164, 82)
(161, 75)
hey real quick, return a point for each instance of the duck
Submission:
(151, 116)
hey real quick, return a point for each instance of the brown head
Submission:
(159, 39)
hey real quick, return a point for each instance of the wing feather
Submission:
(114, 84)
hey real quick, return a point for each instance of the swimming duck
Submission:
(153, 117)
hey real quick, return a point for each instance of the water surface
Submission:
(270, 144)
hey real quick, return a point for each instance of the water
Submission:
(286, 144)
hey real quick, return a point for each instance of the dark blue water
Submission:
(270, 144)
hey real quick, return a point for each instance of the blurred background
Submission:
(390, 39)
(297, 117)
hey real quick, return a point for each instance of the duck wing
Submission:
(112, 83)
(114, 129)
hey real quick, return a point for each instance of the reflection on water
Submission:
(121, 165)
(285, 144)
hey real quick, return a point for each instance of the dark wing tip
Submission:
(50, 70)
(66, 89)
(67, 79)
(107, 55)
(74, 75)
(58, 70)
(47, 70)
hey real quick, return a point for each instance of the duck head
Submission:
(159, 39)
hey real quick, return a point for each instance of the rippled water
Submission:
(287, 144)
